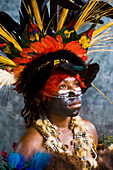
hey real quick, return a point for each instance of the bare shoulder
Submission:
(92, 130)
(30, 143)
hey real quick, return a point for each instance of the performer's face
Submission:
(67, 102)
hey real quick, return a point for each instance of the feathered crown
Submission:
(48, 36)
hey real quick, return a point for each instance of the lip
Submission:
(75, 104)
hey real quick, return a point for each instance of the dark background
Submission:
(95, 107)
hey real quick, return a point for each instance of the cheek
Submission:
(60, 107)
(57, 106)
(51, 88)
(52, 84)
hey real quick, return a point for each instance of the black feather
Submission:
(39, 70)
(24, 16)
(10, 25)
(34, 77)
(80, 2)
(89, 75)
(67, 4)
(105, 7)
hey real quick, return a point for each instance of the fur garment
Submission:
(64, 162)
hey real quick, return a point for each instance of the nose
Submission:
(71, 87)
(73, 90)
(71, 94)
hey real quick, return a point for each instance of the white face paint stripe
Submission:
(76, 92)
(74, 97)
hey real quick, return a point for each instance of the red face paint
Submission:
(57, 75)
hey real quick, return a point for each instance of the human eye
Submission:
(76, 84)
(62, 86)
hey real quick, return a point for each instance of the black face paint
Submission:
(67, 103)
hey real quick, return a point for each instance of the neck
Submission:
(59, 121)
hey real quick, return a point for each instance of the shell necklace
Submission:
(82, 142)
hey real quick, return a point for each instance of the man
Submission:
(61, 98)
(49, 68)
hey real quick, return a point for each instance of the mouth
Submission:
(76, 104)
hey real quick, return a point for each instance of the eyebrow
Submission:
(65, 81)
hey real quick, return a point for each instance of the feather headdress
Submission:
(48, 36)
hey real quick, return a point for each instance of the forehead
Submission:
(69, 79)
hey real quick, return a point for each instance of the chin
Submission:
(74, 112)
(73, 115)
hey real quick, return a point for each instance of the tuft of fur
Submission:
(64, 162)
(105, 159)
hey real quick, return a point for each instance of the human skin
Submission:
(32, 141)
(69, 103)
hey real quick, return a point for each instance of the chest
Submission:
(75, 139)
(66, 137)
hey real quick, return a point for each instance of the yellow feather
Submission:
(37, 14)
(101, 93)
(102, 75)
(51, 20)
(104, 27)
(30, 13)
(99, 50)
(6, 61)
(92, 9)
(62, 18)
(3, 39)
(99, 38)
(25, 6)
(86, 13)
(5, 34)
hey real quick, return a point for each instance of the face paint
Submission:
(51, 87)
(71, 94)
(68, 98)
(67, 103)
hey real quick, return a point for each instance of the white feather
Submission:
(6, 78)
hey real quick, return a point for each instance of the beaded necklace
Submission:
(82, 142)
